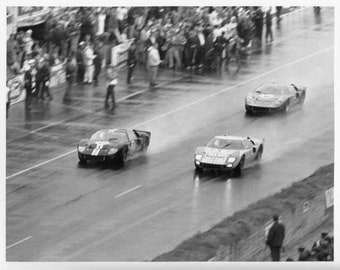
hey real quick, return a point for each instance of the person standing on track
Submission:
(275, 238)
(70, 70)
(29, 84)
(132, 60)
(112, 75)
(153, 63)
(268, 18)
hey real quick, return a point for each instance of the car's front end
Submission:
(97, 151)
(260, 103)
(216, 159)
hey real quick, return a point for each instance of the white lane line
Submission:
(19, 242)
(125, 192)
(47, 126)
(41, 164)
(189, 104)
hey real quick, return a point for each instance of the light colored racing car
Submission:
(231, 153)
(272, 97)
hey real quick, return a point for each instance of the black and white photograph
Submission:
(160, 133)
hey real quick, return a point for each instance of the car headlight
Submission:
(231, 159)
(278, 102)
(198, 157)
(249, 100)
(112, 151)
(81, 148)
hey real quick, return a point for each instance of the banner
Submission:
(16, 86)
(28, 10)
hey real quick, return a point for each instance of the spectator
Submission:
(70, 71)
(42, 80)
(80, 63)
(98, 60)
(153, 63)
(258, 23)
(29, 84)
(88, 63)
(12, 50)
(112, 81)
(131, 62)
(113, 27)
(317, 243)
(269, 32)
(278, 13)
(275, 238)
(200, 50)
(28, 42)
(304, 255)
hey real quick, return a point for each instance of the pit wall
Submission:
(302, 207)
(299, 219)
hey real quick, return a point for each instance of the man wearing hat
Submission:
(275, 238)
(29, 84)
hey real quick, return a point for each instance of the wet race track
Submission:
(59, 210)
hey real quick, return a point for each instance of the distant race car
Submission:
(272, 97)
(231, 153)
(113, 145)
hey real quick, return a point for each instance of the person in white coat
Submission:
(153, 63)
(88, 62)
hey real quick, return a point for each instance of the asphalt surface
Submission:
(59, 210)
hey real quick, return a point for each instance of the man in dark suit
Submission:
(275, 238)
(29, 84)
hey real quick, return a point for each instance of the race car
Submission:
(113, 145)
(273, 97)
(228, 153)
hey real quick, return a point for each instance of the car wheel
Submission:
(249, 112)
(81, 159)
(123, 157)
(302, 98)
(259, 154)
(145, 145)
(198, 169)
(286, 107)
(240, 166)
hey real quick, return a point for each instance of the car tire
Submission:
(145, 145)
(198, 169)
(81, 159)
(286, 107)
(123, 157)
(240, 166)
(259, 154)
(302, 98)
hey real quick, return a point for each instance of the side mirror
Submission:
(254, 149)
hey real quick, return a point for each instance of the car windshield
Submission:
(107, 135)
(226, 143)
(273, 90)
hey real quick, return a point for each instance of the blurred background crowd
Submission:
(186, 37)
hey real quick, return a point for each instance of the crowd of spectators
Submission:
(321, 250)
(186, 37)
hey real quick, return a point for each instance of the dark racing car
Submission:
(113, 145)
(274, 97)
